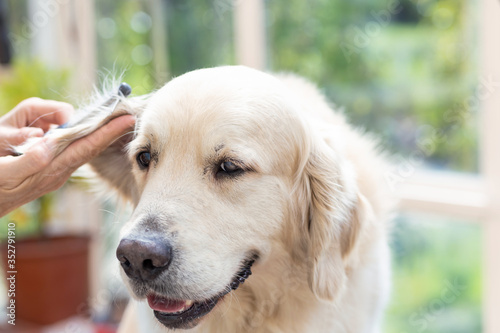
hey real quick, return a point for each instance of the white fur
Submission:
(314, 205)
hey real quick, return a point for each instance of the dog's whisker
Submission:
(228, 306)
(107, 211)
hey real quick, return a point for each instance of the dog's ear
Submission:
(114, 168)
(113, 164)
(335, 214)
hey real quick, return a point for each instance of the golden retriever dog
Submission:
(257, 208)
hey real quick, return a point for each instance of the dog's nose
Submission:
(144, 259)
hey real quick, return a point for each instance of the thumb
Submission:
(36, 158)
(83, 150)
(15, 136)
(16, 169)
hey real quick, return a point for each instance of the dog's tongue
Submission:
(166, 305)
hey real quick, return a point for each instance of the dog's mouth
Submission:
(185, 314)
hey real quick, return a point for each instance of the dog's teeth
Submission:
(181, 310)
(185, 307)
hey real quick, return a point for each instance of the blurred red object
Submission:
(52, 278)
(105, 328)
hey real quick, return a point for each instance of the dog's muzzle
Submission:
(145, 259)
(185, 314)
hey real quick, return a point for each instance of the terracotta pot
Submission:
(52, 278)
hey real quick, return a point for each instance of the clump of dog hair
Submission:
(103, 106)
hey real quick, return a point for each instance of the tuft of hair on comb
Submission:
(101, 107)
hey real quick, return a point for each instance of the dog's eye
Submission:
(143, 159)
(229, 168)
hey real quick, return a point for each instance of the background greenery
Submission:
(431, 254)
(406, 81)
(393, 74)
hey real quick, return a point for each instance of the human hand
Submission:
(38, 171)
(31, 118)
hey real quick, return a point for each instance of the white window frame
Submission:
(473, 198)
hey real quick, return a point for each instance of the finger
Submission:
(42, 124)
(16, 136)
(85, 149)
(38, 112)
(16, 169)
(50, 112)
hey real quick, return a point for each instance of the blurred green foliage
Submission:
(29, 78)
(200, 34)
(116, 42)
(194, 34)
(393, 65)
(437, 276)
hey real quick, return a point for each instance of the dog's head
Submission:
(221, 169)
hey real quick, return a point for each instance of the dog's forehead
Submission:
(228, 90)
(216, 104)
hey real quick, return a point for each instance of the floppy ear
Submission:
(113, 165)
(336, 212)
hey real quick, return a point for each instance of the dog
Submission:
(257, 208)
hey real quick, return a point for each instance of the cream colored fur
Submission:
(313, 204)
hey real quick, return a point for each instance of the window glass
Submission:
(436, 276)
(151, 41)
(404, 69)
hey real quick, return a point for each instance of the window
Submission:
(423, 75)
(437, 275)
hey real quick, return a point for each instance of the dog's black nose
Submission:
(144, 258)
